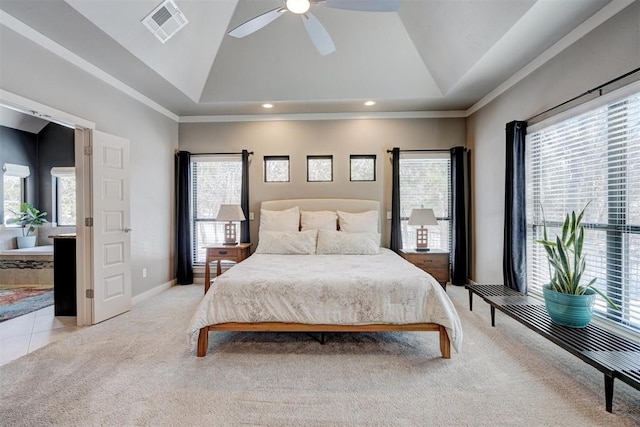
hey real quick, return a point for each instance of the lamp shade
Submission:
(230, 213)
(422, 217)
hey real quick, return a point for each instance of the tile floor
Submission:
(24, 334)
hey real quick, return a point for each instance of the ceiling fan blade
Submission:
(318, 34)
(254, 24)
(365, 5)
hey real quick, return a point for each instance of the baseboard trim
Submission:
(152, 292)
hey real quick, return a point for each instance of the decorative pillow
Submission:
(319, 220)
(364, 222)
(343, 243)
(287, 242)
(285, 220)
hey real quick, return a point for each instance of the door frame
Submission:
(83, 137)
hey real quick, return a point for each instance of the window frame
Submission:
(445, 220)
(21, 172)
(197, 248)
(353, 157)
(56, 174)
(611, 251)
(311, 158)
(267, 159)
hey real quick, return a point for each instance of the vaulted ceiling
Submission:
(430, 55)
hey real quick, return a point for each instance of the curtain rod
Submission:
(432, 150)
(589, 92)
(217, 154)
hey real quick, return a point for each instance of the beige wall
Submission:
(607, 52)
(339, 138)
(30, 71)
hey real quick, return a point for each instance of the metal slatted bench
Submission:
(611, 354)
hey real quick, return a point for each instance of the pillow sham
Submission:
(363, 222)
(343, 243)
(319, 220)
(285, 220)
(287, 242)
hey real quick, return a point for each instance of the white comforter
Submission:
(327, 289)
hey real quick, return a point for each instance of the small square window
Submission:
(362, 167)
(319, 168)
(276, 168)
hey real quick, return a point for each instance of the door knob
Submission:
(126, 229)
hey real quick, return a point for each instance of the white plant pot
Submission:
(26, 241)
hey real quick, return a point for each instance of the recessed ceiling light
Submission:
(267, 105)
(370, 103)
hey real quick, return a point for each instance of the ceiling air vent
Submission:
(165, 20)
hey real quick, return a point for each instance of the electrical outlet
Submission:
(251, 216)
(144, 273)
(388, 214)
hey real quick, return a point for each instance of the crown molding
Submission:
(325, 116)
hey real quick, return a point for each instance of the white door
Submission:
(111, 233)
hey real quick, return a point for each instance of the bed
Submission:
(306, 275)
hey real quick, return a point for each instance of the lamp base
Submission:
(230, 243)
(422, 249)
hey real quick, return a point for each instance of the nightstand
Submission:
(434, 261)
(235, 253)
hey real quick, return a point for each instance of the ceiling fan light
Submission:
(298, 6)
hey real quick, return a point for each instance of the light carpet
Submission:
(136, 370)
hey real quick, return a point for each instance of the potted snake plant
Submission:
(568, 302)
(28, 218)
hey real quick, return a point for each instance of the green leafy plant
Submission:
(566, 260)
(28, 218)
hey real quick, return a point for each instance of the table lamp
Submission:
(230, 213)
(422, 217)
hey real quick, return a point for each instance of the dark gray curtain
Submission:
(245, 236)
(396, 232)
(184, 274)
(459, 191)
(514, 255)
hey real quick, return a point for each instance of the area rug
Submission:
(19, 300)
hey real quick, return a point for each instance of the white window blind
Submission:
(592, 157)
(216, 180)
(425, 182)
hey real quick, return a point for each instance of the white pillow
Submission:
(287, 242)
(285, 220)
(343, 243)
(364, 222)
(319, 220)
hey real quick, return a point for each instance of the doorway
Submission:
(88, 275)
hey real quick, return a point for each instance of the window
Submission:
(276, 168)
(362, 167)
(591, 156)
(63, 182)
(425, 182)
(216, 180)
(319, 168)
(13, 184)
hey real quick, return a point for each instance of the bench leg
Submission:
(493, 316)
(470, 300)
(608, 391)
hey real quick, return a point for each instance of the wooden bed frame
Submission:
(347, 205)
(203, 336)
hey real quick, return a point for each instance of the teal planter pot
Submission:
(574, 311)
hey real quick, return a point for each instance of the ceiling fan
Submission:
(318, 34)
